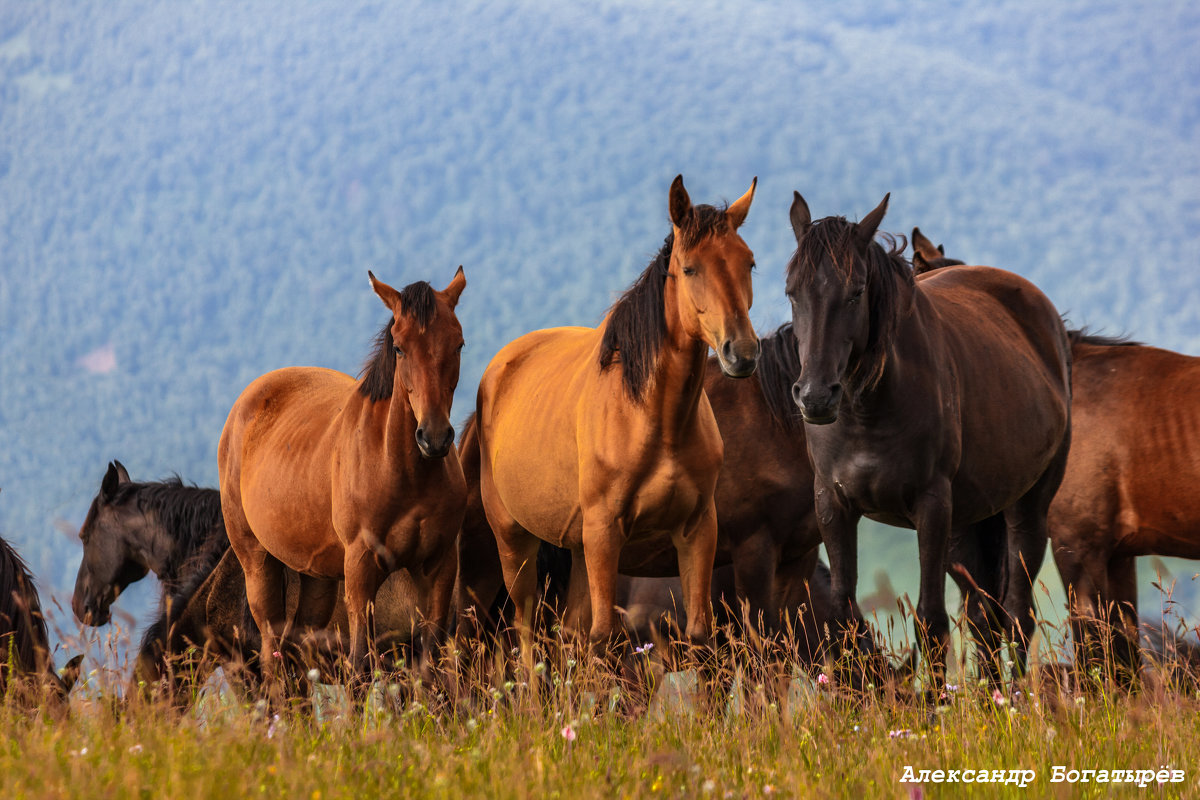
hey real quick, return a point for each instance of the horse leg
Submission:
(1085, 577)
(839, 532)
(932, 517)
(755, 560)
(363, 577)
(436, 589)
(1123, 616)
(577, 614)
(697, 549)
(977, 565)
(602, 541)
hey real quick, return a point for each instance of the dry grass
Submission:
(555, 724)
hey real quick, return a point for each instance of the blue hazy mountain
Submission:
(191, 193)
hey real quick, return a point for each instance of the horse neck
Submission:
(907, 346)
(392, 426)
(166, 548)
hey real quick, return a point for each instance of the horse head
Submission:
(843, 289)
(711, 268)
(427, 342)
(110, 555)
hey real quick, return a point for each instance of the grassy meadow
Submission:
(555, 724)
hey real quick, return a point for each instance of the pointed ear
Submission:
(122, 473)
(801, 218)
(865, 230)
(108, 486)
(679, 204)
(389, 296)
(923, 246)
(736, 213)
(455, 288)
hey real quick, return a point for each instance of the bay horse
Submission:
(1130, 489)
(1132, 486)
(26, 666)
(351, 480)
(133, 528)
(931, 404)
(602, 440)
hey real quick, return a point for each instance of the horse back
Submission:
(1003, 342)
(1133, 475)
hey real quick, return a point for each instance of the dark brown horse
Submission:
(930, 404)
(1132, 485)
(601, 440)
(26, 666)
(133, 528)
(337, 478)
(927, 256)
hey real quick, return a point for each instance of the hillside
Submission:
(192, 193)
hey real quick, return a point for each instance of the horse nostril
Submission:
(796, 393)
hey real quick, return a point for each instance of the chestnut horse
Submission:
(1132, 486)
(344, 479)
(601, 440)
(930, 404)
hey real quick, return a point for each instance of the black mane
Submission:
(637, 322)
(417, 300)
(887, 272)
(1084, 336)
(779, 368)
(24, 643)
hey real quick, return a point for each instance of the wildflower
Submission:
(1080, 700)
(314, 674)
(472, 724)
(271, 728)
(951, 687)
(708, 786)
(901, 733)
(644, 649)
(822, 679)
(568, 732)
(998, 697)
(137, 748)
(768, 788)
(276, 654)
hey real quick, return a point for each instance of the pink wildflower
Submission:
(823, 679)
(568, 732)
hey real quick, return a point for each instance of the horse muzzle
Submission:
(92, 612)
(435, 443)
(739, 358)
(818, 405)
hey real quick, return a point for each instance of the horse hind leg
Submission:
(1028, 535)
(977, 565)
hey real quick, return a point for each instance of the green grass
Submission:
(505, 738)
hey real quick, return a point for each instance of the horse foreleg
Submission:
(1123, 618)
(932, 517)
(602, 541)
(697, 549)
(839, 532)
(436, 590)
(363, 577)
(755, 562)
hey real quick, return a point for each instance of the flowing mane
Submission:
(637, 322)
(778, 368)
(887, 273)
(378, 374)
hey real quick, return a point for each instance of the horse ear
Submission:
(800, 215)
(679, 204)
(736, 213)
(389, 296)
(923, 247)
(112, 479)
(870, 223)
(122, 473)
(457, 284)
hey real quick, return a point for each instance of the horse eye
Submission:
(399, 352)
(460, 347)
(689, 271)
(854, 298)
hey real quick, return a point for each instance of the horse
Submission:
(344, 479)
(26, 666)
(932, 404)
(1132, 486)
(602, 440)
(177, 532)
(133, 528)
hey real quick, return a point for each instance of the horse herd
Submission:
(927, 394)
